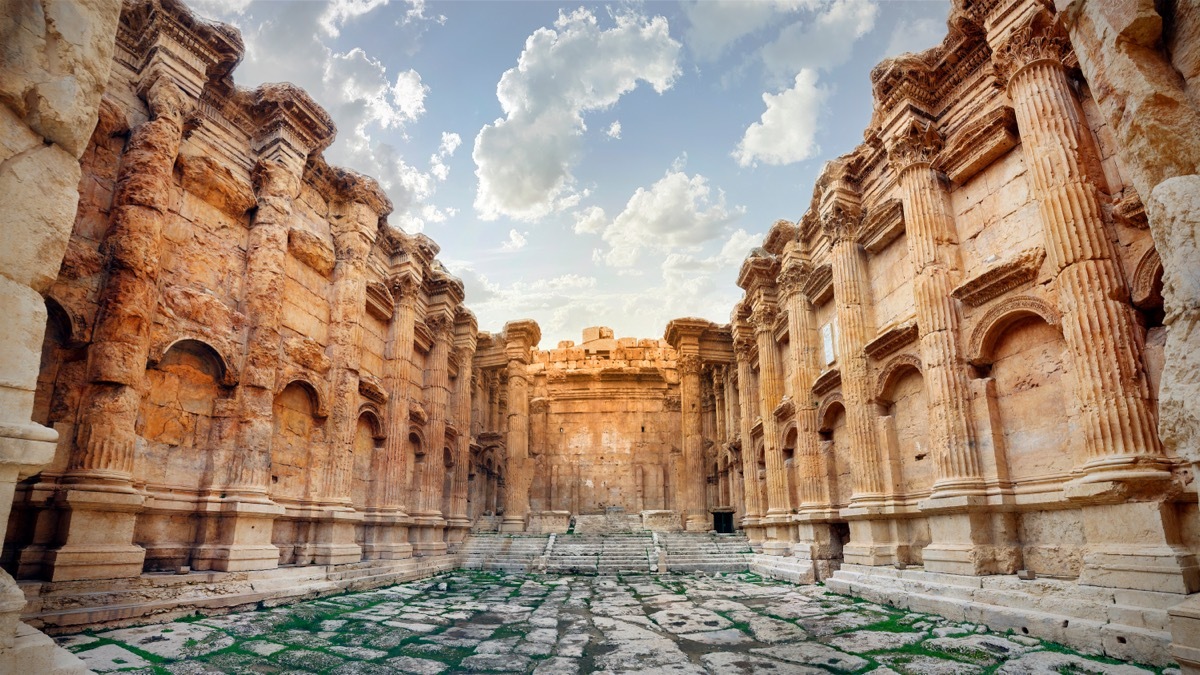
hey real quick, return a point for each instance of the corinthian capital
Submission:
(917, 145)
(791, 278)
(763, 317)
(1037, 39)
(689, 364)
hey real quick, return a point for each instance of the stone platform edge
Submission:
(1129, 625)
(58, 608)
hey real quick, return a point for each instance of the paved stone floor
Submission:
(481, 622)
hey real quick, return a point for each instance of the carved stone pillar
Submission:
(770, 382)
(718, 388)
(1099, 326)
(871, 538)
(814, 536)
(693, 488)
(354, 221)
(963, 541)
(428, 519)
(458, 521)
(99, 504)
(732, 434)
(742, 348)
(520, 337)
(237, 516)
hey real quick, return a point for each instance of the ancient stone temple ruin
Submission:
(962, 381)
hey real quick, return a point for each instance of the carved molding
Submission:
(309, 249)
(1130, 210)
(883, 224)
(1038, 39)
(818, 286)
(1008, 311)
(823, 409)
(1001, 277)
(371, 388)
(827, 382)
(317, 391)
(918, 144)
(785, 410)
(1146, 293)
(890, 370)
(756, 427)
(416, 412)
(689, 364)
(892, 340)
(672, 404)
(379, 301)
(978, 145)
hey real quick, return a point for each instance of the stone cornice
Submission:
(684, 328)
(1130, 210)
(978, 145)
(818, 285)
(166, 31)
(1001, 277)
(827, 382)
(785, 410)
(380, 301)
(758, 271)
(883, 224)
(891, 340)
(779, 235)
(371, 388)
(286, 118)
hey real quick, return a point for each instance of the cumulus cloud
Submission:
(677, 211)
(516, 241)
(614, 130)
(823, 42)
(786, 132)
(590, 220)
(524, 159)
(371, 104)
(437, 161)
(715, 25)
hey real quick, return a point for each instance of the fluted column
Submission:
(99, 533)
(802, 330)
(458, 519)
(770, 383)
(428, 516)
(1099, 326)
(398, 383)
(516, 486)
(850, 296)
(742, 346)
(733, 433)
(718, 388)
(694, 486)
(932, 249)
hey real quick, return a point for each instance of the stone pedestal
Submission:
(550, 522)
(427, 535)
(334, 542)
(96, 522)
(872, 541)
(241, 536)
(967, 539)
(387, 536)
(818, 543)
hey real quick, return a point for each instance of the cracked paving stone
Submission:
(814, 654)
(412, 664)
(862, 641)
(503, 663)
(920, 664)
(732, 662)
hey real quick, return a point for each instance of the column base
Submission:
(335, 543)
(512, 523)
(240, 532)
(387, 536)
(427, 535)
(99, 535)
(1143, 556)
(456, 532)
(698, 522)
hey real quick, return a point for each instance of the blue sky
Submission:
(587, 163)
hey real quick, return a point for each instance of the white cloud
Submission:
(915, 35)
(437, 161)
(824, 42)
(590, 220)
(338, 12)
(516, 241)
(614, 130)
(715, 25)
(678, 210)
(524, 160)
(786, 132)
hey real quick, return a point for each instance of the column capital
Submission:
(1036, 40)
(689, 364)
(917, 144)
(792, 275)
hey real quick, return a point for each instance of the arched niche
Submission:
(49, 405)
(904, 404)
(835, 448)
(790, 438)
(297, 432)
(368, 442)
(993, 324)
(216, 363)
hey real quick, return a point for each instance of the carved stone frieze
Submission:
(882, 224)
(892, 340)
(827, 382)
(818, 285)
(979, 144)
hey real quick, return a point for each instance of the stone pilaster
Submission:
(520, 337)
(871, 539)
(458, 520)
(733, 433)
(354, 221)
(237, 515)
(100, 505)
(742, 348)
(428, 521)
(1099, 325)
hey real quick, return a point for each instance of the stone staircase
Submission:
(702, 552)
(503, 552)
(602, 554)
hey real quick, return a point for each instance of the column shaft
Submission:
(517, 479)
(396, 379)
(694, 485)
(770, 385)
